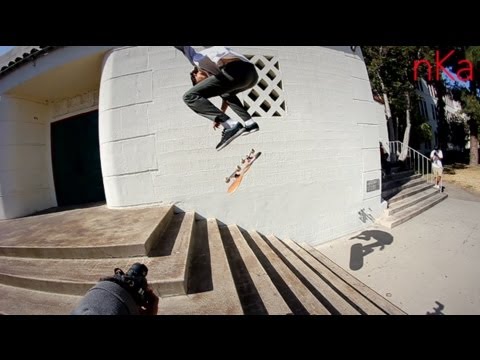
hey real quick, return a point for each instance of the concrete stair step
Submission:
(407, 192)
(399, 180)
(168, 275)
(410, 201)
(395, 172)
(348, 292)
(390, 190)
(322, 290)
(375, 298)
(209, 303)
(85, 233)
(295, 293)
(211, 289)
(19, 301)
(256, 290)
(399, 176)
(221, 273)
(412, 211)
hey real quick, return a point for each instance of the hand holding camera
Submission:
(135, 282)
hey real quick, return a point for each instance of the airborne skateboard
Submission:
(239, 172)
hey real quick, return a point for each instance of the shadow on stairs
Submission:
(197, 266)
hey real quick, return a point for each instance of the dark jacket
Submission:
(106, 298)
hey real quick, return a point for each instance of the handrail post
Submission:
(420, 163)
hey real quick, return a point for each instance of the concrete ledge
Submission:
(18, 301)
(94, 232)
(167, 274)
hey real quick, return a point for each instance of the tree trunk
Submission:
(473, 142)
(406, 135)
(388, 111)
(473, 125)
(442, 124)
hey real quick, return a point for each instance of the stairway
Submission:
(197, 265)
(407, 195)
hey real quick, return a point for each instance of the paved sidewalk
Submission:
(428, 265)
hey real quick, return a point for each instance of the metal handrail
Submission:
(419, 162)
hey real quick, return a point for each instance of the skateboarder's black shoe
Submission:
(251, 129)
(228, 135)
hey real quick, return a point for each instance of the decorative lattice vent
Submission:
(266, 98)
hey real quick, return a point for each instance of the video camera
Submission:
(134, 281)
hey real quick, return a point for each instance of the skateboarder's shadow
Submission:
(358, 251)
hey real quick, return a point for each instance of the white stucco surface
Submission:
(56, 86)
(24, 186)
(310, 182)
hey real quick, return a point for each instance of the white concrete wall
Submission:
(309, 184)
(44, 64)
(75, 105)
(24, 159)
(26, 176)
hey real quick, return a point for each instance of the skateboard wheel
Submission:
(227, 179)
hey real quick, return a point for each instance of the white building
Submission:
(83, 124)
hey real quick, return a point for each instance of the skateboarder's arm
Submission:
(224, 106)
(188, 51)
(198, 59)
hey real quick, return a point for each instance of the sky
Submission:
(450, 83)
(4, 49)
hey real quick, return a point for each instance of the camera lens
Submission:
(138, 269)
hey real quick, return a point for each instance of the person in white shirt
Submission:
(224, 73)
(437, 168)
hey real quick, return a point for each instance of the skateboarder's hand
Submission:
(216, 124)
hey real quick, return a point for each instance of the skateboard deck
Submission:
(240, 172)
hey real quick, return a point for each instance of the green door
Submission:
(76, 160)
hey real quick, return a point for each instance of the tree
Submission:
(471, 107)
(458, 131)
(374, 59)
(471, 102)
(389, 69)
(448, 57)
(468, 96)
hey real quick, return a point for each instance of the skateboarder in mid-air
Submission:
(222, 72)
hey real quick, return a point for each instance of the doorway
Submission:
(76, 165)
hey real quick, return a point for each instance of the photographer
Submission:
(437, 168)
(121, 294)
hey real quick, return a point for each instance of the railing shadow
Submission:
(358, 251)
